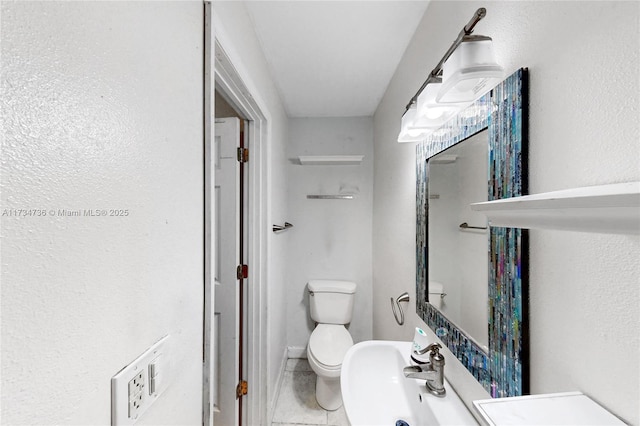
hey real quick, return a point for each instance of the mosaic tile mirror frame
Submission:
(503, 370)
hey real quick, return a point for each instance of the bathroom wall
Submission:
(331, 238)
(101, 109)
(584, 104)
(234, 30)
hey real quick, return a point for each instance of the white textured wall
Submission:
(331, 238)
(102, 109)
(234, 30)
(584, 291)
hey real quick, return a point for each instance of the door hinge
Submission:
(242, 389)
(243, 155)
(242, 272)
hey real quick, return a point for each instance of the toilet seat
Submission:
(328, 345)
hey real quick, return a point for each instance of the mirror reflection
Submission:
(458, 236)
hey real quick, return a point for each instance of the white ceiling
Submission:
(334, 58)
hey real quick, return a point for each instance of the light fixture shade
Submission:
(470, 72)
(430, 113)
(411, 130)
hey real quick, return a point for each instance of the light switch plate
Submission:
(131, 387)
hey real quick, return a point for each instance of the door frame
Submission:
(227, 79)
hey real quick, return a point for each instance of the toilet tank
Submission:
(331, 301)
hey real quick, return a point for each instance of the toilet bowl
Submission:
(331, 306)
(327, 347)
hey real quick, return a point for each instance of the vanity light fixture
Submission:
(429, 110)
(410, 130)
(470, 71)
(466, 71)
(423, 116)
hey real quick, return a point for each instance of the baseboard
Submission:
(296, 352)
(278, 386)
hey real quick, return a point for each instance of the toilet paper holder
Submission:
(404, 297)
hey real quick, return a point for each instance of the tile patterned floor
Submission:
(297, 404)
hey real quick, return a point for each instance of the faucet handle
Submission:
(435, 356)
(434, 348)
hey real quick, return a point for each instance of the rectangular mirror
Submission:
(479, 312)
(459, 237)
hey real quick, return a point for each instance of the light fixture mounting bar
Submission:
(435, 74)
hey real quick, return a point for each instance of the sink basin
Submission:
(375, 391)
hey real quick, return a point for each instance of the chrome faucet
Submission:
(432, 371)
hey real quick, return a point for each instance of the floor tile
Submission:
(290, 424)
(298, 364)
(297, 401)
(337, 417)
(297, 404)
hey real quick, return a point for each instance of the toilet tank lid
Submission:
(331, 286)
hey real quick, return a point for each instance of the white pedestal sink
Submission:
(375, 391)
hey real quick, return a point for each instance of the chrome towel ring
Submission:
(404, 297)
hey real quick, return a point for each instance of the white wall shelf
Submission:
(567, 408)
(330, 160)
(604, 209)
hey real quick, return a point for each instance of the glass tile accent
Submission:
(503, 370)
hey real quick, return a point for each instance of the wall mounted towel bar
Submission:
(465, 225)
(330, 197)
(278, 228)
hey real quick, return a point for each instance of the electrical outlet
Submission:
(135, 405)
(136, 395)
(137, 386)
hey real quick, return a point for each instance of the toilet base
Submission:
(328, 393)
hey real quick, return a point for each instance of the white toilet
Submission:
(331, 305)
